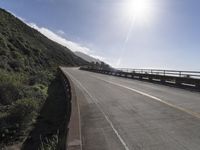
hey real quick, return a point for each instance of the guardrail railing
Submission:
(187, 74)
(179, 78)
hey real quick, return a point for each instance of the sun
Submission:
(140, 10)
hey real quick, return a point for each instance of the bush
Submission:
(24, 111)
(38, 92)
(16, 55)
(14, 78)
(41, 88)
(16, 65)
(2, 42)
(42, 77)
(16, 122)
(3, 61)
(8, 93)
(3, 52)
(10, 86)
(49, 143)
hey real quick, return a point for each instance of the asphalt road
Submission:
(125, 114)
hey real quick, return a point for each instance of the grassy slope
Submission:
(23, 48)
(28, 62)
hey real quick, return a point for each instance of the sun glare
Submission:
(140, 10)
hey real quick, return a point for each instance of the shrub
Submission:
(2, 42)
(41, 88)
(15, 78)
(38, 92)
(16, 55)
(49, 143)
(16, 121)
(24, 111)
(3, 52)
(8, 93)
(3, 61)
(16, 65)
(42, 77)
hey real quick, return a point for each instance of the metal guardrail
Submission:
(189, 79)
(184, 74)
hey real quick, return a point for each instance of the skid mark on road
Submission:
(104, 114)
(151, 96)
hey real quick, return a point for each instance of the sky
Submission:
(160, 34)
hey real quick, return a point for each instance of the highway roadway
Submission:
(124, 114)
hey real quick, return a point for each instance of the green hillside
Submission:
(23, 48)
(28, 62)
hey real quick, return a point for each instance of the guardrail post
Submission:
(178, 82)
(131, 76)
(140, 77)
(180, 73)
(126, 75)
(150, 78)
(162, 80)
(197, 85)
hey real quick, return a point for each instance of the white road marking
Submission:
(106, 117)
(197, 115)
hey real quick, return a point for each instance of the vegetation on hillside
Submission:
(28, 62)
(98, 66)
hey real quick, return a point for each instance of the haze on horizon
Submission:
(161, 34)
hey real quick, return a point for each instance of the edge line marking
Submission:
(152, 97)
(106, 117)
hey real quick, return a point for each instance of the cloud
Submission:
(61, 32)
(98, 57)
(57, 38)
(67, 43)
